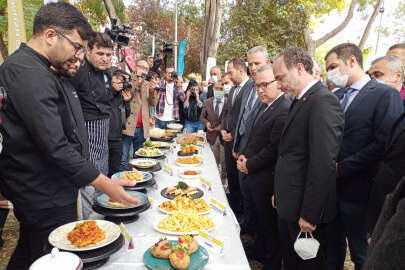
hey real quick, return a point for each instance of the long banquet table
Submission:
(226, 227)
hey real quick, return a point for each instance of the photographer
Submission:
(137, 124)
(90, 84)
(193, 107)
(120, 110)
(171, 95)
(45, 153)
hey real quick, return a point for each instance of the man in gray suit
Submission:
(257, 57)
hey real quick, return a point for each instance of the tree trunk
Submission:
(369, 24)
(313, 44)
(3, 49)
(212, 27)
(111, 10)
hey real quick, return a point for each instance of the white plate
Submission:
(162, 144)
(59, 237)
(169, 213)
(136, 162)
(187, 165)
(157, 155)
(177, 233)
(175, 126)
(189, 177)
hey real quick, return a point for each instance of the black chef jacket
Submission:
(44, 159)
(90, 85)
(120, 110)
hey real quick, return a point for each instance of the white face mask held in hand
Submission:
(306, 248)
(336, 78)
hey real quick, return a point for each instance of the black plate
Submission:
(160, 157)
(180, 154)
(143, 185)
(120, 212)
(163, 139)
(199, 194)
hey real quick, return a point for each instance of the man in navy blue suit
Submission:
(370, 110)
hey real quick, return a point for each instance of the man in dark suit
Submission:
(258, 161)
(390, 172)
(304, 184)
(370, 110)
(257, 57)
(238, 73)
(210, 117)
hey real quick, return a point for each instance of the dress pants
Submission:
(114, 156)
(291, 261)
(35, 227)
(233, 179)
(249, 221)
(219, 154)
(268, 244)
(350, 223)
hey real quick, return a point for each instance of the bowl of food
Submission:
(143, 163)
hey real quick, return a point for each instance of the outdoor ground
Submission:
(10, 236)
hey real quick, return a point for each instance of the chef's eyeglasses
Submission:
(79, 49)
(264, 85)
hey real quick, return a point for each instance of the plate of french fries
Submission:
(184, 222)
(182, 203)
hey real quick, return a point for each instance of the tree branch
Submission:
(369, 24)
(3, 48)
(340, 27)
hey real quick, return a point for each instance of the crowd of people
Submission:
(302, 156)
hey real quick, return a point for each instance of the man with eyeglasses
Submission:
(258, 162)
(91, 83)
(45, 154)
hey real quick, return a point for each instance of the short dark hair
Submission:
(397, 46)
(64, 17)
(295, 55)
(100, 40)
(345, 50)
(239, 64)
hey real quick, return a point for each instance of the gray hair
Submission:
(394, 63)
(259, 49)
(317, 65)
(264, 68)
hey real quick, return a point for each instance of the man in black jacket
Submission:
(91, 84)
(120, 110)
(45, 153)
(370, 110)
(304, 183)
(258, 160)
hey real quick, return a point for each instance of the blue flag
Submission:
(180, 61)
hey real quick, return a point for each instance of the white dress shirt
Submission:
(358, 85)
(221, 104)
(238, 88)
(307, 88)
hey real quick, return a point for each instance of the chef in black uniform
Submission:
(45, 153)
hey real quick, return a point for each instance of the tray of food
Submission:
(189, 161)
(84, 235)
(188, 174)
(147, 151)
(133, 175)
(106, 202)
(180, 189)
(190, 139)
(185, 253)
(185, 203)
(184, 222)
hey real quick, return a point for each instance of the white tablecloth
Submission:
(226, 227)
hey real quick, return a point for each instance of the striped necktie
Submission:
(346, 97)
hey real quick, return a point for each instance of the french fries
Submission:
(185, 221)
(185, 203)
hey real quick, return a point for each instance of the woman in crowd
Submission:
(192, 107)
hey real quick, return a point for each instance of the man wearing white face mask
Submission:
(215, 76)
(370, 110)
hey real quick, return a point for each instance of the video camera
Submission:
(116, 31)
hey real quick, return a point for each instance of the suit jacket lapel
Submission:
(360, 97)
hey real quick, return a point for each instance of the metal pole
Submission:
(175, 37)
(379, 28)
(153, 45)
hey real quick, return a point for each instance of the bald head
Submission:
(388, 69)
(142, 67)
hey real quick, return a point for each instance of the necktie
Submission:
(346, 97)
(235, 93)
(217, 107)
(246, 113)
(294, 101)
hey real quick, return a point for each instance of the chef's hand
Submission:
(306, 226)
(273, 202)
(114, 189)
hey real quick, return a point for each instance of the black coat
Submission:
(210, 92)
(231, 113)
(45, 150)
(262, 146)
(390, 172)
(368, 121)
(120, 110)
(386, 251)
(305, 175)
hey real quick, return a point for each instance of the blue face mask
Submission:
(219, 94)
